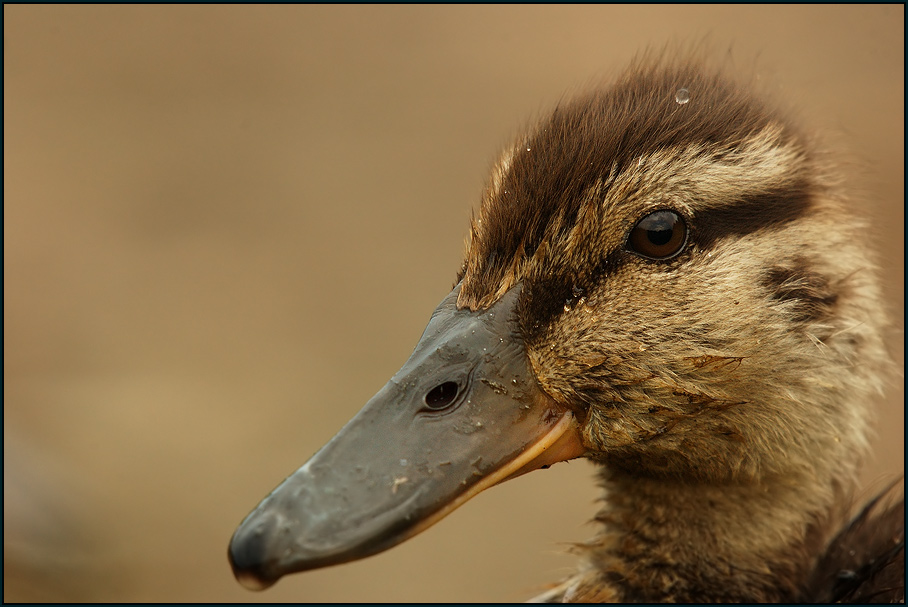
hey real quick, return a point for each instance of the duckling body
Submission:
(662, 278)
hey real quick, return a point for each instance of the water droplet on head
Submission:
(682, 96)
(403, 462)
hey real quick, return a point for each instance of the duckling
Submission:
(665, 278)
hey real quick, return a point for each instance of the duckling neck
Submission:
(684, 542)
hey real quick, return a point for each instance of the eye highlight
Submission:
(659, 235)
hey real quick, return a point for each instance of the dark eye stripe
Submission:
(546, 298)
(751, 214)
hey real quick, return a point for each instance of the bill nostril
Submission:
(441, 396)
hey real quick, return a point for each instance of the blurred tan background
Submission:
(225, 228)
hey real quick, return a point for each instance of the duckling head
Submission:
(692, 285)
(662, 277)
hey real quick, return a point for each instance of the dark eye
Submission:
(659, 235)
(441, 396)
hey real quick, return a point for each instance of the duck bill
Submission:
(464, 413)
